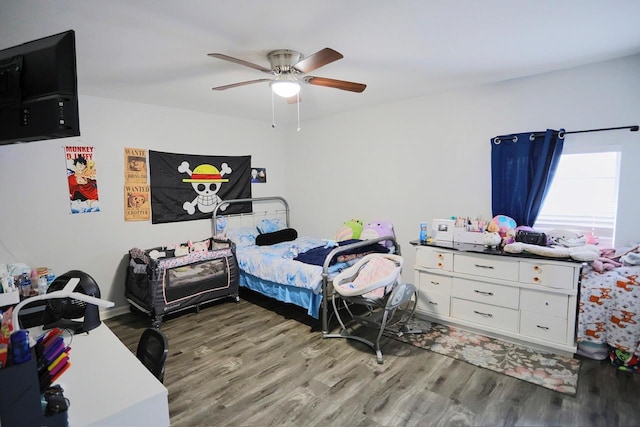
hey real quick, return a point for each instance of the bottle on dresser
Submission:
(24, 284)
(423, 232)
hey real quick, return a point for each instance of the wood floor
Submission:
(261, 363)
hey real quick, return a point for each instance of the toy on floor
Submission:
(623, 360)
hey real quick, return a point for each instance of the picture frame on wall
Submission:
(258, 175)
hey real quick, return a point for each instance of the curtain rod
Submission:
(633, 128)
(562, 133)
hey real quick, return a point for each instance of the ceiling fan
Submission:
(288, 68)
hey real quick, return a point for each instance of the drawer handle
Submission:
(537, 268)
(440, 256)
(483, 314)
(440, 265)
(536, 279)
(542, 327)
(433, 303)
(434, 283)
(485, 266)
(488, 294)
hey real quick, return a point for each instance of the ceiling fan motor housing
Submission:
(283, 60)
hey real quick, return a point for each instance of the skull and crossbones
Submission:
(205, 180)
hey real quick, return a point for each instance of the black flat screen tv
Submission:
(39, 90)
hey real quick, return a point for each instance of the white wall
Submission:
(36, 226)
(407, 162)
(430, 157)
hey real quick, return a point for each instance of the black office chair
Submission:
(152, 351)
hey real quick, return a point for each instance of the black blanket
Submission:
(316, 256)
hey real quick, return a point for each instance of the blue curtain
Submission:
(522, 169)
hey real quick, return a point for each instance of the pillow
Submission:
(243, 236)
(285, 235)
(270, 225)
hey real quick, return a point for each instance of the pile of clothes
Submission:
(610, 259)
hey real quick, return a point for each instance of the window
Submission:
(583, 196)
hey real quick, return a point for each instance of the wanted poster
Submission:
(135, 165)
(137, 206)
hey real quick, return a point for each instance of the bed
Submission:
(276, 268)
(609, 310)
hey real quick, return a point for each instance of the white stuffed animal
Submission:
(201, 246)
(566, 238)
(585, 253)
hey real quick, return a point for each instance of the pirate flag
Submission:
(186, 187)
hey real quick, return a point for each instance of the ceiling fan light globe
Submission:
(285, 88)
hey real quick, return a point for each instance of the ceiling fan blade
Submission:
(337, 84)
(317, 60)
(240, 61)
(232, 85)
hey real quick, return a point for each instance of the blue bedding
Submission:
(275, 264)
(290, 294)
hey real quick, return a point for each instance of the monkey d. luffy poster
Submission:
(81, 177)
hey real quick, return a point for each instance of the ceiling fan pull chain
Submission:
(298, 105)
(273, 112)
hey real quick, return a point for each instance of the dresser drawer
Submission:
(546, 274)
(543, 326)
(486, 267)
(434, 258)
(428, 282)
(485, 314)
(544, 303)
(433, 302)
(487, 293)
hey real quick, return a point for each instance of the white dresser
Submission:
(529, 301)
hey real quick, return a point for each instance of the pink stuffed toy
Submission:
(603, 264)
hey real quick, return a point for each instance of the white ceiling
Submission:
(155, 51)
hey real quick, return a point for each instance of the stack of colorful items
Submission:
(53, 357)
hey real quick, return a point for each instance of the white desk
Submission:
(108, 386)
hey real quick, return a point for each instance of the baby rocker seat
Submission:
(374, 283)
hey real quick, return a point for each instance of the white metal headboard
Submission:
(272, 207)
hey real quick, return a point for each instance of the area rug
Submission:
(557, 373)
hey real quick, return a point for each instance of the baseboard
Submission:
(117, 311)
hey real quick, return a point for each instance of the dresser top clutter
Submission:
(486, 250)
